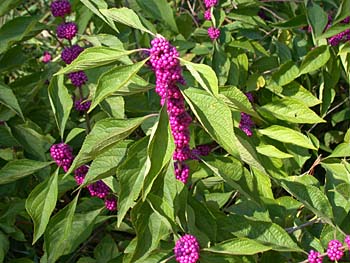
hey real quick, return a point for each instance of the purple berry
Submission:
(246, 124)
(314, 257)
(111, 203)
(99, 189)
(187, 249)
(207, 15)
(46, 57)
(182, 172)
(210, 3)
(213, 33)
(79, 105)
(335, 250)
(70, 53)
(60, 8)
(202, 150)
(62, 154)
(80, 173)
(67, 30)
(78, 78)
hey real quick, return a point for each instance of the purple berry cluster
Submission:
(98, 189)
(246, 122)
(78, 78)
(164, 61)
(62, 154)
(335, 251)
(82, 105)
(213, 32)
(60, 8)
(67, 30)
(314, 257)
(70, 53)
(200, 150)
(187, 249)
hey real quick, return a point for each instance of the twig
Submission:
(293, 229)
(271, 12)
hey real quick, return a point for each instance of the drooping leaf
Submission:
(315, 59)
(125, 16)
(105, 134)
(287, 135)
(95, 57)
(41, 202)
(61, 102)
(9, 99)
(114, 80)
(160, 150)
(19, 169)
(215, 117)
(317, 17)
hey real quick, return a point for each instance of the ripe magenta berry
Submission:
(60, 8)
(46, 57)
(67, 30)
(80, 173)
(210, 3)
(111, 203)
(78, 78)
(213, 33)
(207, 14)
(62, 154)
(335, 250)
(70, 53)
(314, 257)
(187, 249)
(182, 172)
(99, 189)
(202, 150)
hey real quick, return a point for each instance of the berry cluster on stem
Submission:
(246, 122)
(186, 249)
(213, 32)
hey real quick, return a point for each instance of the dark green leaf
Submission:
(315, 59)
(9, 100)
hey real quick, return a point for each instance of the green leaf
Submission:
(205, 76)
(160, 151)
(15, 30)
(94, 6)
(215, 117)
(342, 150)
(311, 196)
(161, 10)
(5, 6)
(334, 30)
(125, 16)
(317, 17)
(66, 231)
(343, 11)
(95, 57)
(286, 73)
(105, 134)
(287, 135)
(106, 250)
(9, 99)
(106, 164)
(237, 100)
(40, 204)
(265, 233)
(131, 175)
(61, 102)
(290, 110)
(73, 133)
(114, 80)
(19, 169)
(295, 22)
(315, 59)
(149, 228)
(296, 91)
(239, 246)
(272, 151)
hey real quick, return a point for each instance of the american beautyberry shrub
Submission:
(210, 3)
(60, 8)
(187, 249)
(78, 78)
(82, 105)
(111, 203)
